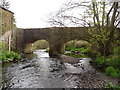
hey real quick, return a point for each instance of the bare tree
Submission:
(85, 14)
(5, 4)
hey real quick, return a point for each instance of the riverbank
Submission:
(89, 77)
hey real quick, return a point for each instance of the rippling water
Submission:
(42, 72)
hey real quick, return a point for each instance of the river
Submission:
(42, 71)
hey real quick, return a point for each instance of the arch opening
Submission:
(39, 44)
(77, 48)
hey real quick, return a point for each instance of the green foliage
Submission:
(113, 87)
(81, 52)
(41, 44)
(100, 61)
(117, 51)
(2, 46)
(3, 57)
(13, 55)
(113, 60)
(69, 48)
(47, 50)
(111, 71)
(76, 44)
(111, 64)
(6, 56)
(77, 56)
(77, 49)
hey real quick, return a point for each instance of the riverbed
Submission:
(42, 71)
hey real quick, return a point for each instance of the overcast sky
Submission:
(33, 13)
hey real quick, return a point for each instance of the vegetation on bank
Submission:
(6, 56)
(78, 52)
(109, 64)
(78, 48)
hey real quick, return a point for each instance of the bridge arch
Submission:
(39, 44)
(56, 36)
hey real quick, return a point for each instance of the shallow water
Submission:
(43, 72)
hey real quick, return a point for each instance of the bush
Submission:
(111, 71)
(3, 57)
(113, 61)
(100, 61)
(6, 56)
(16, 56)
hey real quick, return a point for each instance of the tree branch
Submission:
(117, 24)
(114, 13)
(103, 16)
(108, 21)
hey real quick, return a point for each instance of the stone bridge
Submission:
(56, 36)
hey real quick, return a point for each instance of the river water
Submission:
(43, 72)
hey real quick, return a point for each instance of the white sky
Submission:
(33, 13)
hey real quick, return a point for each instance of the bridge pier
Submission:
(56, 50)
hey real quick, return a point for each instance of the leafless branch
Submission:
(108, 21)
(117, 24)
(114, 13)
